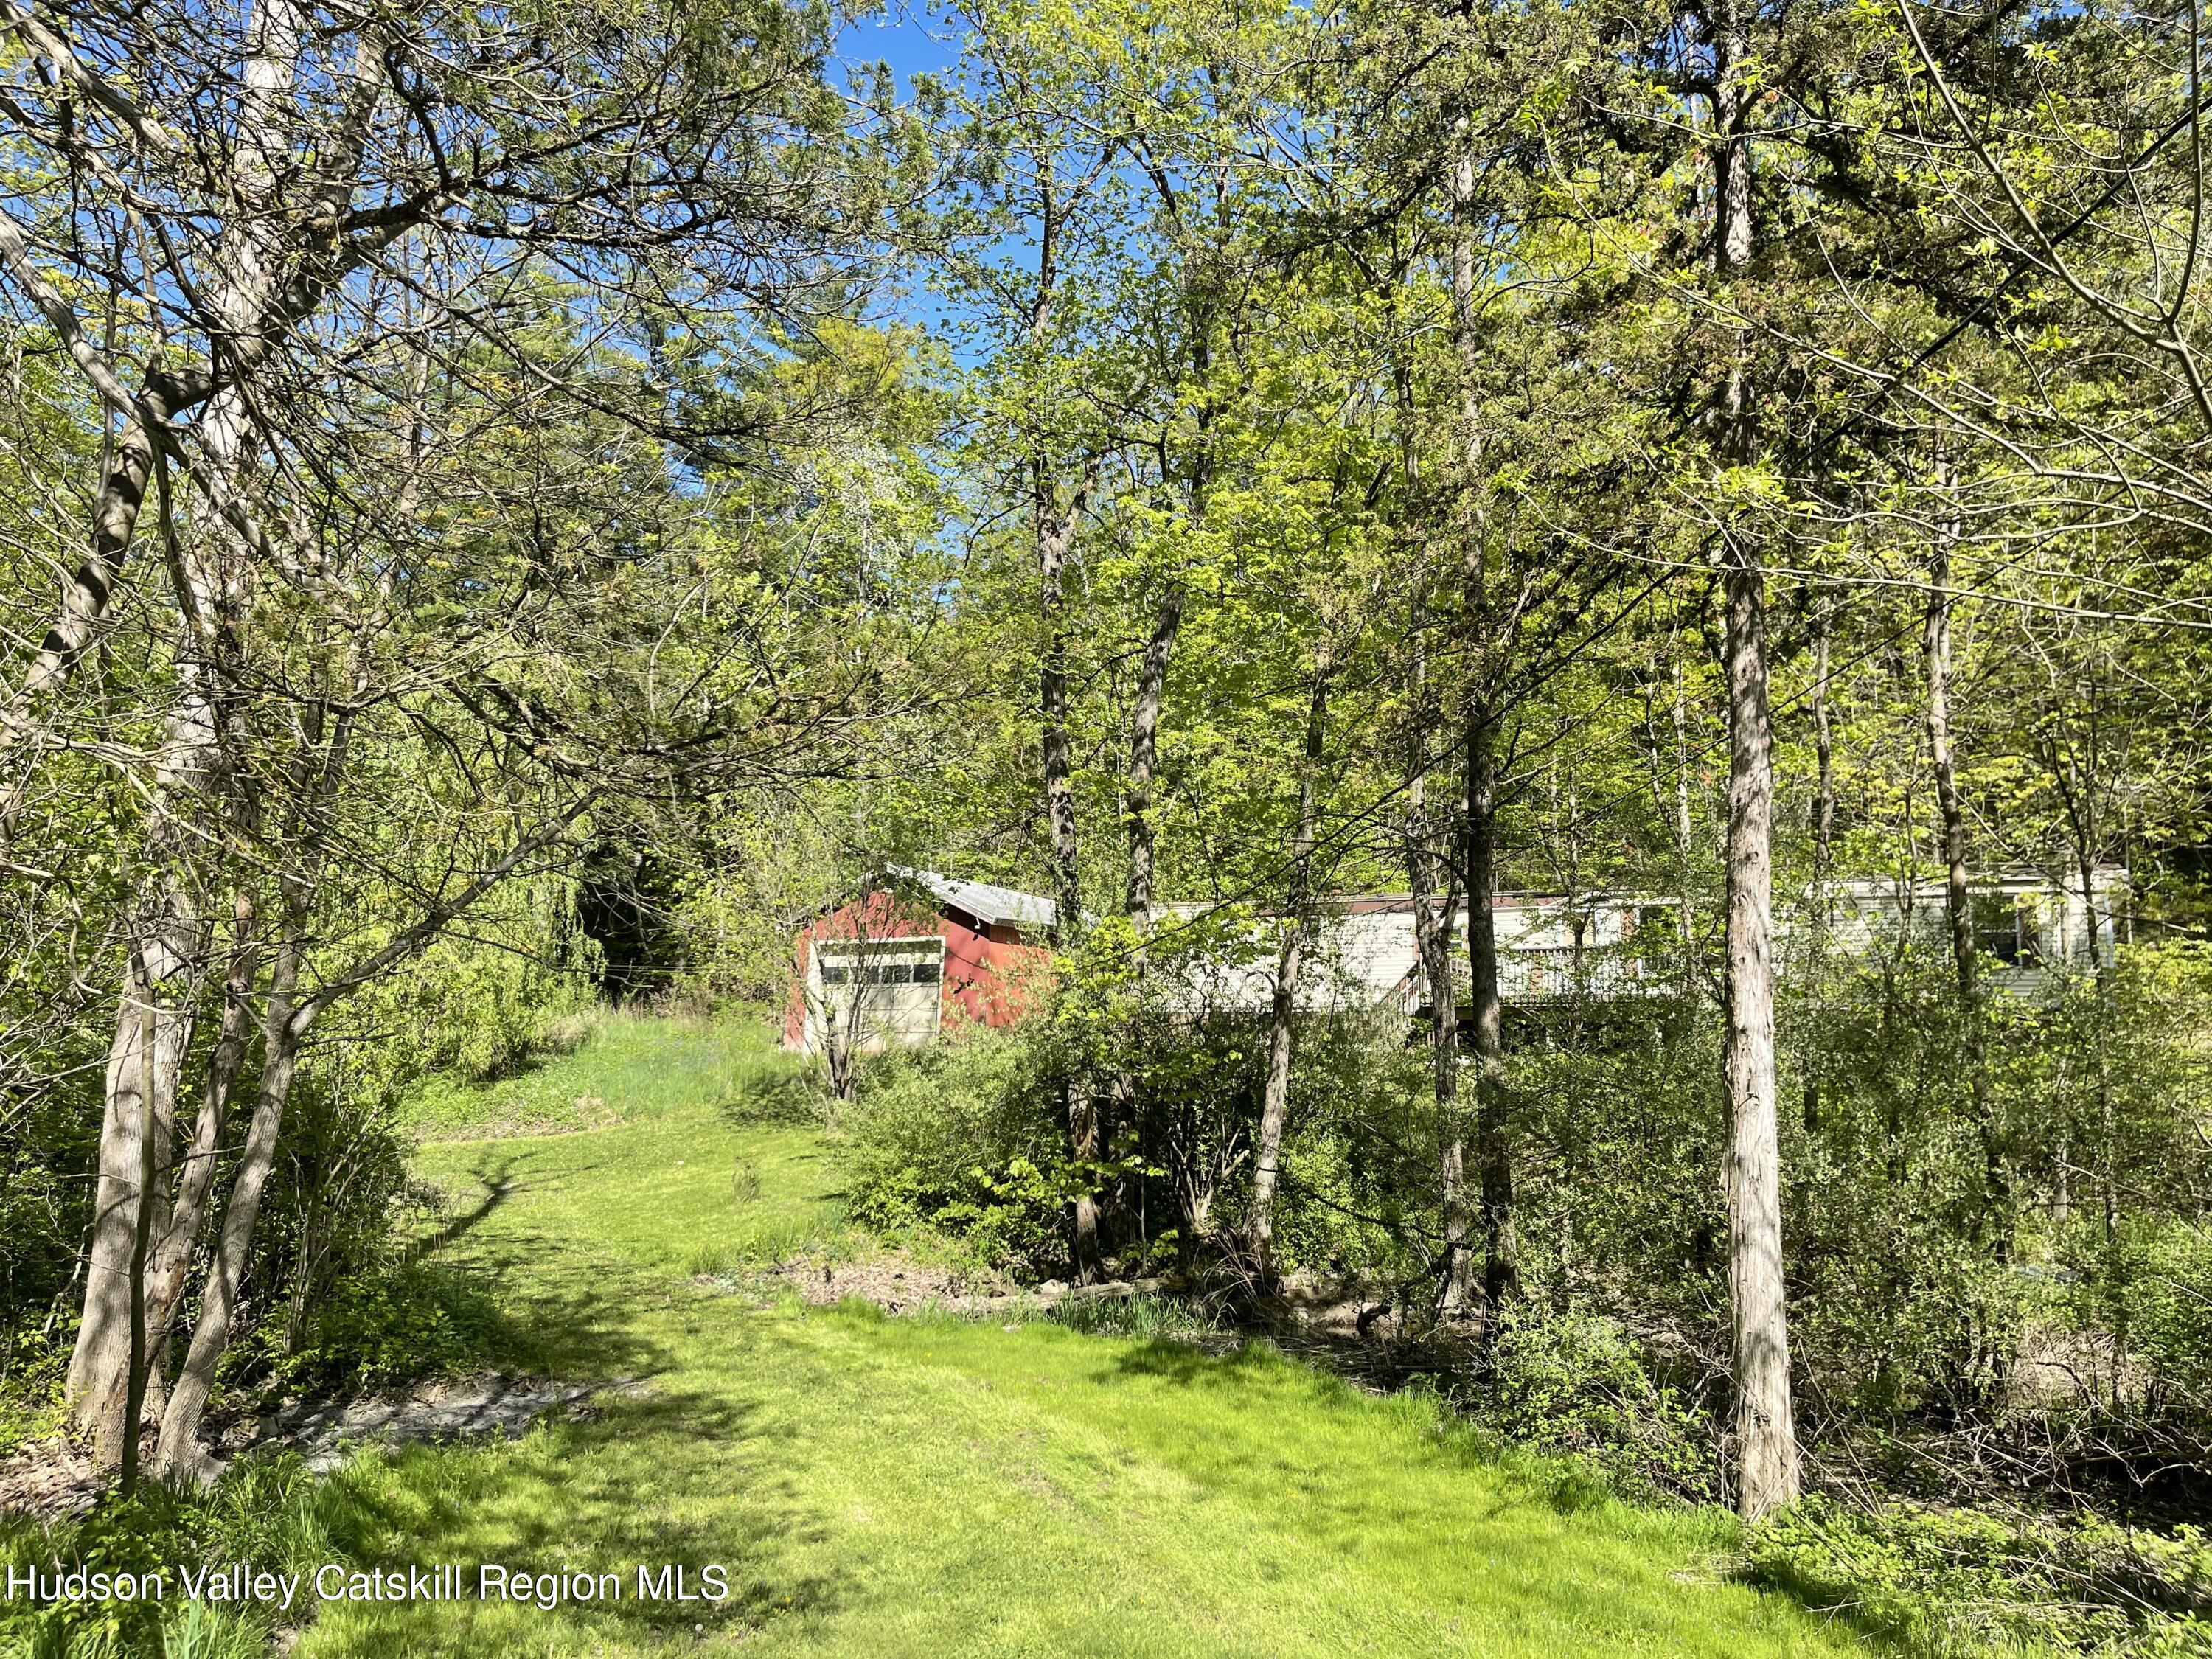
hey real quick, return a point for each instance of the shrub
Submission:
(961, 1137)
(267, 1511)
(1160, 1318)
(1575, 1380)
(392, 1325)
(1963, 1580)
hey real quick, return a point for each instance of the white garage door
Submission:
(880, 993)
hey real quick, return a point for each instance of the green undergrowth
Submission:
(1169, 1318)
(32, 1364)
(1962, 1583)
(378, 1332)
(269, 1514)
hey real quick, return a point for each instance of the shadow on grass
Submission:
(1887, 1625)
(498, 1188)
(654, 1476)
(1240, 1369)
(771, 1092)
(1246, 1375)
(568, 1499)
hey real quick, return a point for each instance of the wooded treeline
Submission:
(1714, 453)
(464, 460)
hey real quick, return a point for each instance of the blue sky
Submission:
(914, 39)
(907, 37)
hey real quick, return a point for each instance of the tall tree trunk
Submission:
(1766, 1441)
(1274, 1106)
(1479, 846)
(153, 1033)
(1824, 851)
(1685, 837)
(1935, 640)
(1432, 954)
(318, 780)
(1958, 900)
(1459, 1293)
(1767, 1436)
(1143, 752)
(124, 1433)
(283, 1026)
(2081, 819)
(114, 522)
(1501, 1267)
(1118, 1211)
(172, 1256)
(210, 580)
(1055, 536)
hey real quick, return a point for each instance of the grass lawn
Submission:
(885, 1486)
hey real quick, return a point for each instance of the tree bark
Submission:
(318, 780)
(1055, 536)
(282, 1027)
(1457, 1289)
(172, 1256)
(124, 1433)
(1275, 1107)
(1685, 837)
(153, 1032)
(1501, 1268)
(114, 521)
(1459, 1292)
(1824, 851)
(1479, 846)
(1143, 752)
(1137, 897)
(1957, 901)
(1766, 1437)
(1766, 1440)
(1965, 960)
(209, 581)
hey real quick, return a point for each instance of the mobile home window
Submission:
(2004, 928)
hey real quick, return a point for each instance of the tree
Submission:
(432, 202)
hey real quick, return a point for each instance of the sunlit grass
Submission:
(620, 1068)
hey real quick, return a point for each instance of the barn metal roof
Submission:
(1003, 905)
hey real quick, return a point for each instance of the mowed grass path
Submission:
(934, 1486)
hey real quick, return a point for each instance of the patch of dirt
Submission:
(471, 1408)
(49, 1481)
(898, 1284)
(54, 1479)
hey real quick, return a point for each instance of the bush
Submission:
(479, 1005)
(1962, 1581)
(382, 1328)
(267, 1511)
(1576, 1381)
(962, 1137)
(1157, 1318)
(769, 1089)
(49, 1142)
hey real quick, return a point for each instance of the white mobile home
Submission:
(1553, 947)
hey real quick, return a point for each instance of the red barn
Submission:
(896, 965)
